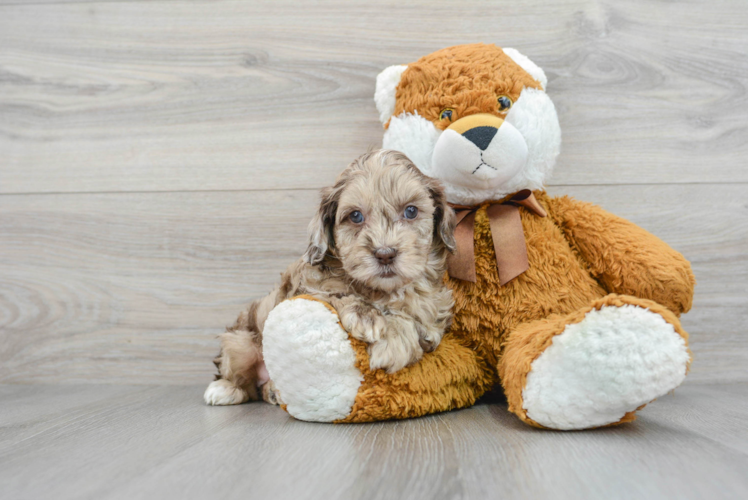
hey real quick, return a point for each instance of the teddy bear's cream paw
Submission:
(222, 392)
(310, 360)
(611, 363)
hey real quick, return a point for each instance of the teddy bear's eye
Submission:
(446, 114)
(504, 103)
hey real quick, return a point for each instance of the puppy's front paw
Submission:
(394, 353)
(363, 322)
(222, 393)
(428, 339)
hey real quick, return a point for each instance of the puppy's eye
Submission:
(411, 212)
(356, 217)
(447, 114)
(504, 103)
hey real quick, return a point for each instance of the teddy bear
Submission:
(572, 311)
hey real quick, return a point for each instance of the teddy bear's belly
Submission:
(557, 282)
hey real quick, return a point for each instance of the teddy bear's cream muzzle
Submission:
(480, 151)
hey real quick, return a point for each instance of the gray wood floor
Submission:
(111, 442)
(159, 162)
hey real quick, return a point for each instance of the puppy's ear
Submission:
(444, 217)
(321, 236)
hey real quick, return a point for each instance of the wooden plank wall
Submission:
(159, 160)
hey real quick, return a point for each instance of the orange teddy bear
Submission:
(574, 311)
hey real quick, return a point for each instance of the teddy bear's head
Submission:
(474, 116)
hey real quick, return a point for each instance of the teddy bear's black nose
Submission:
(481, 136)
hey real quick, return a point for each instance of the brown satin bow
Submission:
(506, 231)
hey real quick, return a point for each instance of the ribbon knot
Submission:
(506, 232)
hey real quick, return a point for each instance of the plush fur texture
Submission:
(306, 345)
(532, 69)
(320, 369)
(377, 252)
(615, 360)
(601, 389)
(583, 338)
(464, 80)
(451, 377)
(384, 97)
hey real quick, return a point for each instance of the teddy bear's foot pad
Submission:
(310, 360)
(615, 360)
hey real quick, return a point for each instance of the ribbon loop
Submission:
(506, 232)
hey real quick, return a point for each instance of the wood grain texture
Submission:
(111, 442)
(182, 95)
(100, 287)
(133, 287)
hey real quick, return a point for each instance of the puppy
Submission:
(377, 253)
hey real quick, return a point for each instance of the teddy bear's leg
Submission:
(596, 366)
(321, 374)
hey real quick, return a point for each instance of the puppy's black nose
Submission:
(385, 256)
(481, 136)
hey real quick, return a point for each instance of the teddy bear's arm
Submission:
(321, 373)
(623, 257)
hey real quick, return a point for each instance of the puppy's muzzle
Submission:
(479, 151)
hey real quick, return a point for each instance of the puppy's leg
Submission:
(433, 319)
(270, 394)
(394, 340)
(398, 347)
(240, 369)
(429, 336)
(361, 320)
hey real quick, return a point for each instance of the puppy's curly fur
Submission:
(377, 253)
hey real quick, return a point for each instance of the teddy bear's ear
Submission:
(529, 66)
(384, 96)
